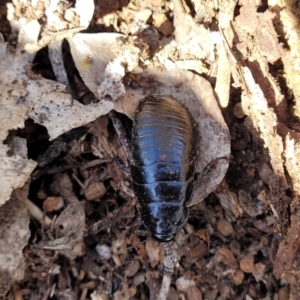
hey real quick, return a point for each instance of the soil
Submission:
(227, 250)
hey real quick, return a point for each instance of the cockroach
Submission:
(164, 156)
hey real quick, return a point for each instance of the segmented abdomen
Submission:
(164, 152)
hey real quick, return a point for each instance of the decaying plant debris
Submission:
(85, 239)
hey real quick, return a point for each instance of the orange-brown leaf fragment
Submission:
(95, 191)
(247, 264)
(53, 204)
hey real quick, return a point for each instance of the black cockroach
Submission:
(164, 156)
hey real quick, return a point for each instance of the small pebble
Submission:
(103, 251)
(224, 227)
(238, 111)
(182, 284)
(138, 279)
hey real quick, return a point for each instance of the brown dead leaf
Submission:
(182, 284)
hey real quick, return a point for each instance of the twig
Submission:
(36, 213)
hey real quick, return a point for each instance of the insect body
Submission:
(164, 150)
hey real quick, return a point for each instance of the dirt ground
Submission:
(241, 242)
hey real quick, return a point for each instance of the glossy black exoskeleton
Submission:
(164, 150)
